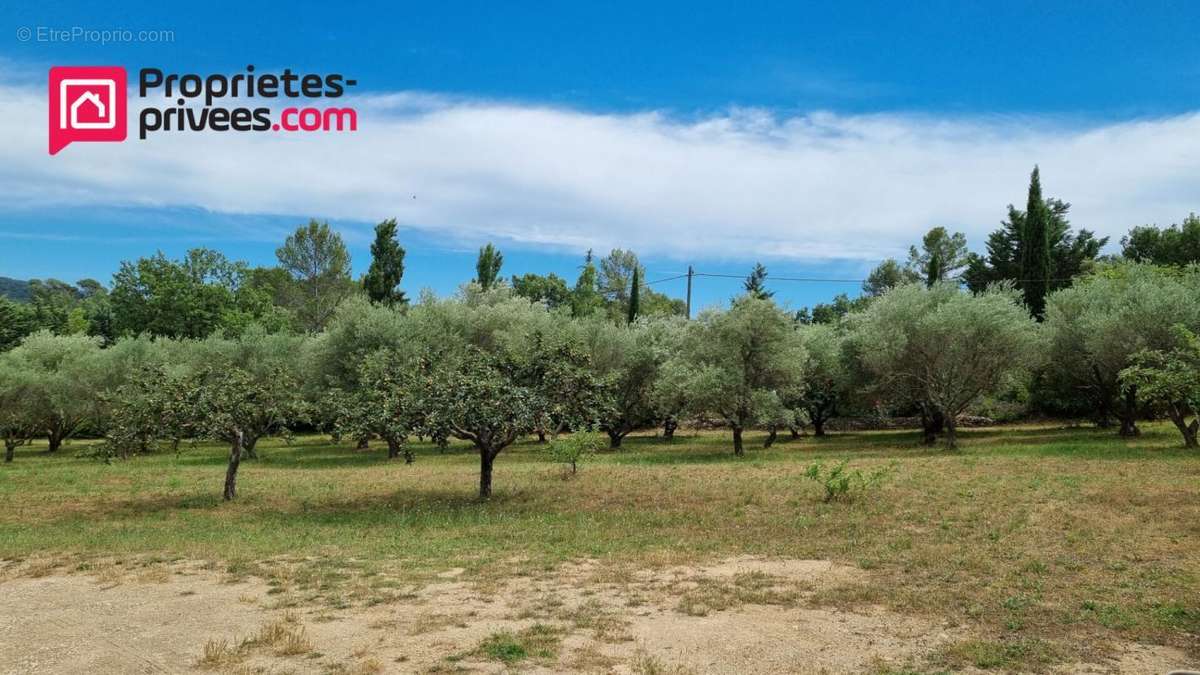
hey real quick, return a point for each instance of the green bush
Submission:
(843, 484)
(575, 449)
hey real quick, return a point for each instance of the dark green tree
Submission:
(16, 321)
(1174, 245)
(550, 289)
(382, 281)
(487, 267)
(1035, 253)
(317, 260)
(1071, 254)
(635, 292)
(941, 257)
(887, 275)
(585, 298)
(756, 283)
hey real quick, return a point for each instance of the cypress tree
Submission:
(387, 267)
(635, 295)
(1035, 250)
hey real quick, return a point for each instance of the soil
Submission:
(741, 615)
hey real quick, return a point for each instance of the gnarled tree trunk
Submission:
(738, 449)
(9, 450)
(1189, 431)
(669, 426)
(772, 434)
(54, 439)
(615, 436)
(1128, 414)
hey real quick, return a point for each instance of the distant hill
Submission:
(14, 288)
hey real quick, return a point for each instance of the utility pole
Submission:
(691, 273)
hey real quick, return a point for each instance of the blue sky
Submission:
(755, 118)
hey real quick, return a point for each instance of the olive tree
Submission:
(1094, 329)
(67, 376)
(332, 359)
(1170, 380)
(627, 359)
(944, 347)
(382, 405)
(732, 365)
(494, 368)
(20, 418)
(261, 355)
(231, 403)
(825, 378)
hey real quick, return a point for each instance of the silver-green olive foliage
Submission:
(67, 376)
(497, 367)
(1170, 381)
(733, 365)
(628, 359)
(1094, 329)
(943, 346)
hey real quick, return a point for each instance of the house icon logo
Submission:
(87, 103)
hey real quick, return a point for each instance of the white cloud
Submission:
(745, 184)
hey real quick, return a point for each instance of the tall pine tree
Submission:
(756, 283)
(382, 280)
(1036, 265)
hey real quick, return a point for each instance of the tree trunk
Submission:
(393, 448)
(363, 443)
(738, 449)
(818, 423)
(248, 444)
(614, 439)
(772, 434)
(541, 434)
(1189, 431)
(485, 473)
(951, 432)
(235, 458)
(9, 450)
(795, 432)
(932, 423)
(55, 440)
(1128, 414)
(669, 426)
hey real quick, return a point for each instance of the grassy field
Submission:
(1047, 542)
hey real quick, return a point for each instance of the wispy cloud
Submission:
(746, 183)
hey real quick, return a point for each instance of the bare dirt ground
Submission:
(741, 615)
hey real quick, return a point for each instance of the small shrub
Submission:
(841, 483)
(539, 641)
(575, 449)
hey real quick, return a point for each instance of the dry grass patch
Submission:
(709, 594)
(284, 636)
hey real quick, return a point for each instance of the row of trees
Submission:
(205, 293)
(489, 367)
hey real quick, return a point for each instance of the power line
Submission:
(818, 280)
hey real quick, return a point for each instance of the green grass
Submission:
(1030, 535)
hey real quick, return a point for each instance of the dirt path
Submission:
(739, 616)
